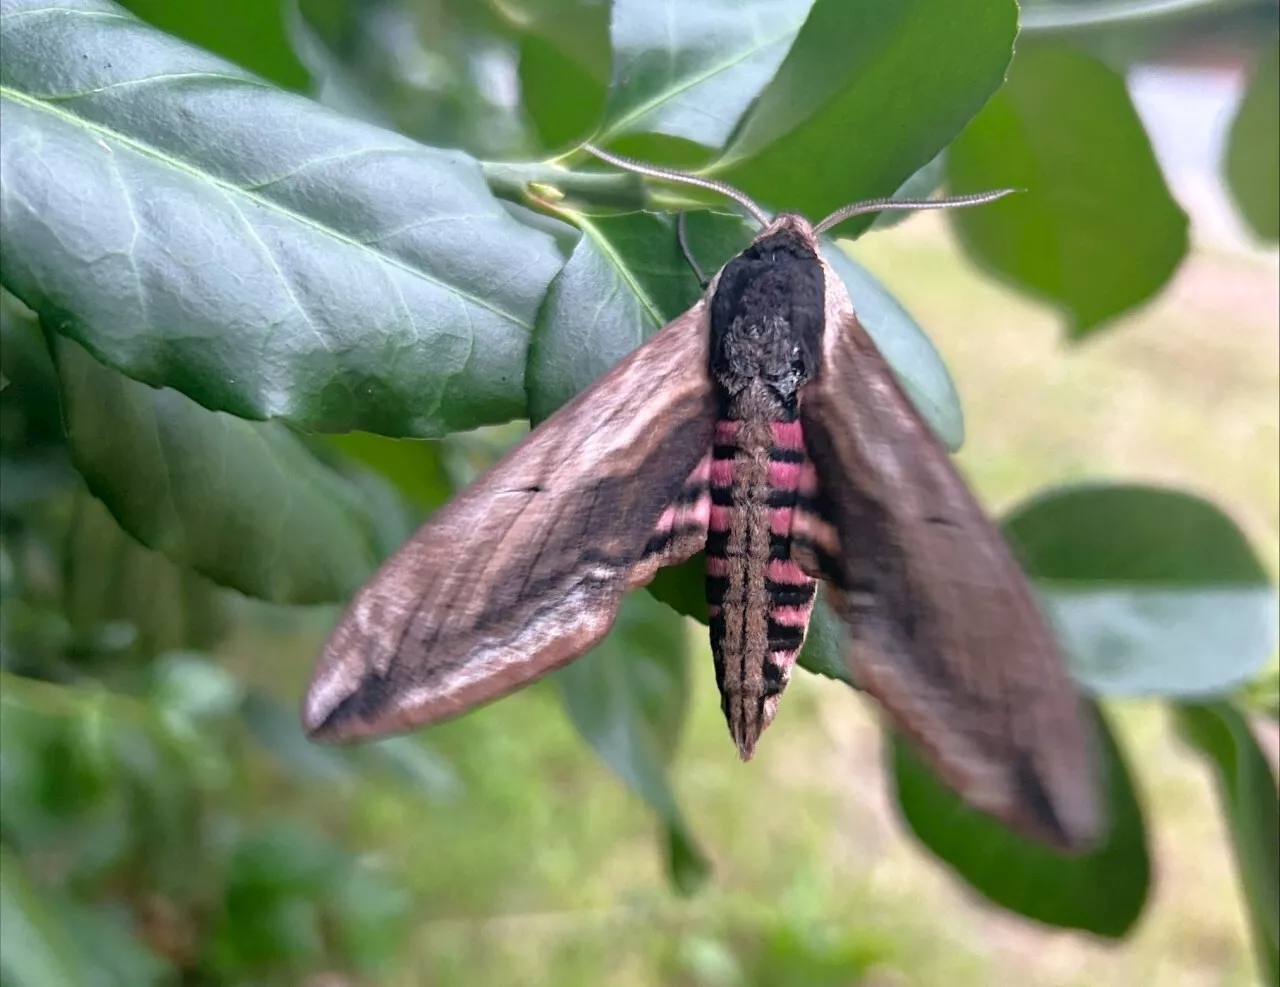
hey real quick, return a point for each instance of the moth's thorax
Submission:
(767, 317)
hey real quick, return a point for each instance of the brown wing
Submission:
(945, 631)
(524, 570)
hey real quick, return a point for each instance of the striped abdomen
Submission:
(758, 599)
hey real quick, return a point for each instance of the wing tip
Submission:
(322, 721)
(1067, 815)
(337, 710)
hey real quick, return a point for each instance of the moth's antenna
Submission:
(881, 205)
(640, 168)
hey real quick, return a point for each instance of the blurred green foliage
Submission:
(260, 272)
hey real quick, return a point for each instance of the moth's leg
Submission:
(683, 237)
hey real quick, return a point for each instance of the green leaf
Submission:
(371, 916)
(826, 644)
(869, 93)
(33, 454)
(1253, 150)
(921, 184)
(914, 360)
(248, 32)
(564, 64)
(690, 70)
(628, 698)
(270, 912)
(1101, 891)
(35, 949)
(1096, 232)
(624, 280)
(683, 588)
(1153, 591)
(578, 28)
(242, 503)
(34, 417)
(416, 467)
(247, 247)
(1262, 695)
(1247, 792)
(120, 596)
(562, 98)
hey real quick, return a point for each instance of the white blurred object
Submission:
(1188, 114)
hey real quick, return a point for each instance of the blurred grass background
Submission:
(533, 865)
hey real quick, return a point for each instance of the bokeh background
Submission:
(164, 821)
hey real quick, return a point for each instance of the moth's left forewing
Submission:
(945, 630)
(525, 569)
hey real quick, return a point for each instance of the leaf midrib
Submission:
(620, 125)
(606, 248)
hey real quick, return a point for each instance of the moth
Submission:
(764, 428)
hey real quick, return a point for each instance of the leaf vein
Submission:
(271, 205)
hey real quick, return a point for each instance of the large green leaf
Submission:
(624, 280)
(247, 247)
(690, 70)
(1253, 150)
(913, 358)
(1102, 890)
(563, 99)
(1096, 231)
(869, 93)
(33, 454)
(415, 466)
(1247, 791)
(564, 64)
(628, 698)
(241, 503)
(116, 592)
(1153, 591)
(578, 28)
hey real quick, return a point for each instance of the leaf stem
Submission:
(513, 180)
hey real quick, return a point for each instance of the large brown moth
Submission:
(764, 427)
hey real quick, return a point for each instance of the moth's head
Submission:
(792, 224)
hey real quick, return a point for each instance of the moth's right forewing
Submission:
(525, 569)
(945, 630)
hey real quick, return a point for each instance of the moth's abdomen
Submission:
(758, 600)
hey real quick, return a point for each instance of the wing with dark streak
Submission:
(524, 570)
(945, 631)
